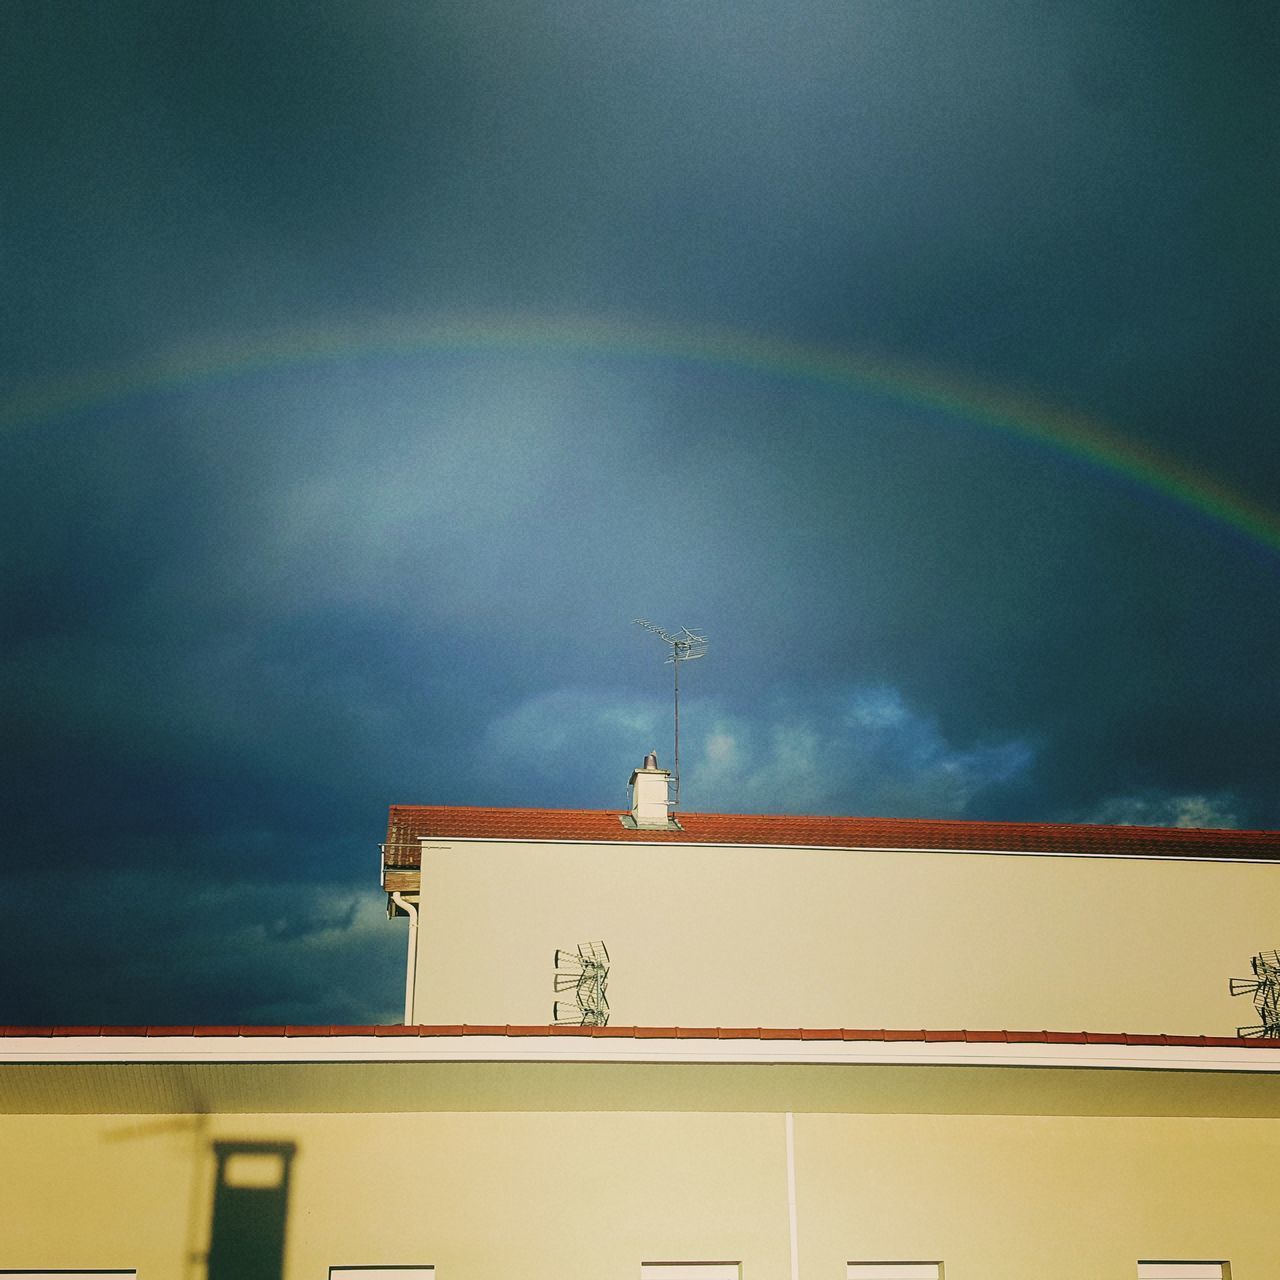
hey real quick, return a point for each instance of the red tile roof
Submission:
(660, 1033)
(409, 823)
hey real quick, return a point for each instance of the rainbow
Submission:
(1012, 414)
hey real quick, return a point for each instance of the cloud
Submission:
(867, 752)
(244, 613)
(567, 743)
(1218, 810)
(175, 948)
(862, 750)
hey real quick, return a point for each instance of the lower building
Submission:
(788, 1085)
(574, 1153)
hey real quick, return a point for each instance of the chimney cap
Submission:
(650, 766)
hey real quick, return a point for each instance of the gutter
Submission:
(411, 964)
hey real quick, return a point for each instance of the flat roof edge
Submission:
(1136, 1054)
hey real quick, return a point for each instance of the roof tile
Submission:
(409, 824)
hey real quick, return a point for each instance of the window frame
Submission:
(363, 1271)
(691, 1270)
(1184, 1269)
(894, 1269)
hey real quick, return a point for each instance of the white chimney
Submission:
(650, 805)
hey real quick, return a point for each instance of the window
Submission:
(690, 1271)
(1184, 1271)
(893, 1271)
(382, 1273)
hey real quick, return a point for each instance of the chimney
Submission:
(650, 805)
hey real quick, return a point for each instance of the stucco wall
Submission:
(1005, 1197)
(582, 1196)
(709, 936)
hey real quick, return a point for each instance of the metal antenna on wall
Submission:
(586, 975)
(685, 646)
(1264, 987)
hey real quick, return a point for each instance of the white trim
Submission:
(855, 848)
(893, 1271)
(1181, 1271)
(690, 1270)
(382, 1273)
(566, 1048)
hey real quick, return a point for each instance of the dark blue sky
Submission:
(244, 611)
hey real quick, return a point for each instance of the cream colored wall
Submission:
(546, 1196)
(582, 1196)
(709, 936)
(1010, 1197)
(100, 1192)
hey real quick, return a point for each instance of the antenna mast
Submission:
(685, 646)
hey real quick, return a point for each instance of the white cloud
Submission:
(877, 707)
(557, 747)
(869, 752)
(1158, 810)
(860, 751)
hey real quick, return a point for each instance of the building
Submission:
(846, 1048)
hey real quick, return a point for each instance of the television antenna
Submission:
(685, 645)
(586, 974)
(1264, 987)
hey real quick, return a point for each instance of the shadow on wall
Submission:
(250, 1210)
(250, 1199)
